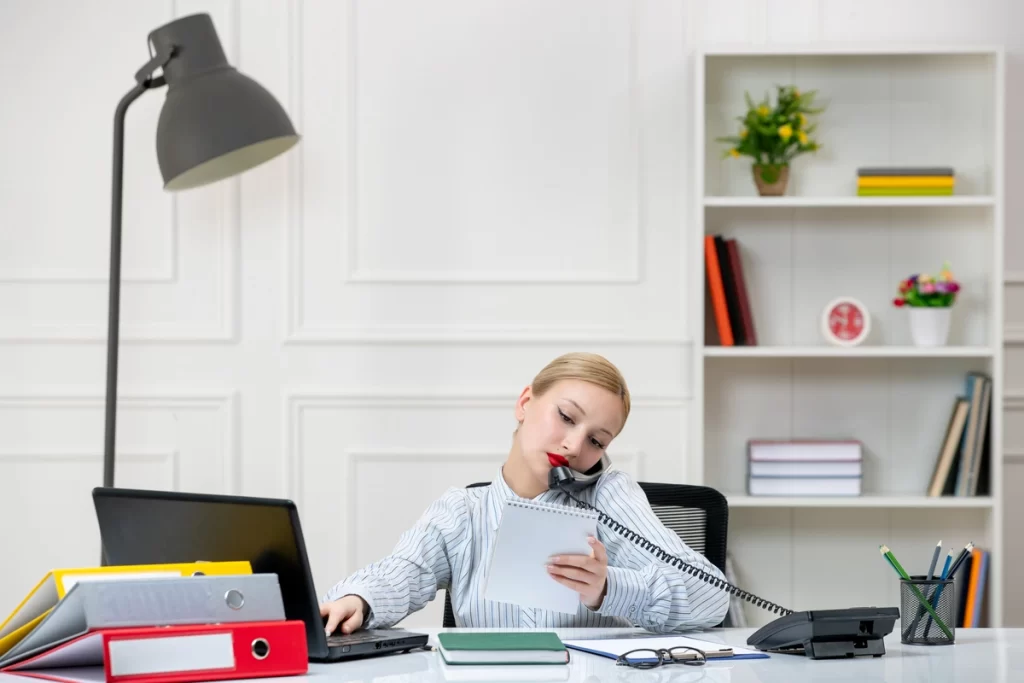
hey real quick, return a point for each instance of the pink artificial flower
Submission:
(926, 287)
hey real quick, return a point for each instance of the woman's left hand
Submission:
(585, 574)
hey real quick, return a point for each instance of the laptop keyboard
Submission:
(352, 639)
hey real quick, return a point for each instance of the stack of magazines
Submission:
(896, 181)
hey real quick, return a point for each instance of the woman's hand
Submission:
(349, 611)
(585, 574)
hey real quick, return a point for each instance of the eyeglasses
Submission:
(650, 659)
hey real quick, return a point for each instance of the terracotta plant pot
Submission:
(771, 179)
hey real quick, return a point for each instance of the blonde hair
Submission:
(588, 367)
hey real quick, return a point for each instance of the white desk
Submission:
(990, 655)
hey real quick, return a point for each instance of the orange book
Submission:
(714, 278)
(972, 589)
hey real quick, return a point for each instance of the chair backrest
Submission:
(699, 515)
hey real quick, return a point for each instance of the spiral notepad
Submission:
(529, 534)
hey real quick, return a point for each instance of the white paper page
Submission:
(618, 646)
(529, 535)
(86, 651)
(79, 674)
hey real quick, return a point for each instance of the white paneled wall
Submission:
(480, 187)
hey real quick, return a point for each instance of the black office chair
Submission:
(698, 514)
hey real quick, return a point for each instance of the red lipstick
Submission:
(557, 460)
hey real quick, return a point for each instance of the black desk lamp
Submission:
(215, 123)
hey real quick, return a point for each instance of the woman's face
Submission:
(572, 424)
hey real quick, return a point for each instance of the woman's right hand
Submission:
(348, 611)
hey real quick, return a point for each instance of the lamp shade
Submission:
(215, 122)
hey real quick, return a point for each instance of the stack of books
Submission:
(729, 315)
(804, 467)
(901, 181)
(963, 463)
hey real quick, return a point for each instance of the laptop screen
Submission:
(153, 527)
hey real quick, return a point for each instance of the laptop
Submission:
(152, 527)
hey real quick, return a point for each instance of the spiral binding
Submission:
(701, 574)
(557, 509)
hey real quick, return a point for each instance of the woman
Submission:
(568, 415)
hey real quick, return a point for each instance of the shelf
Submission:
(744, 501)
(846, 50)
(847, 352)
(846, 201)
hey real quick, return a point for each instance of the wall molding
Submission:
(63, 457)
(166, 273)
(1013, 455)
(223, 329)
(399, 456)
(225, 405)
(1013, 400)
(1013, 333)
(1013, 277)
(301, 331)
(352, 272)
(295, 403)
(460, 333)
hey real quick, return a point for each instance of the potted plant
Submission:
(773, 134)
(929, 302)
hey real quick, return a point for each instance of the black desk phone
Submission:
(817, 634)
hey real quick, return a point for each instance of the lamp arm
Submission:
(144, 81)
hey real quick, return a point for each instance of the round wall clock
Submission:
(845, 321)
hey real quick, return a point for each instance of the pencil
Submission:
(961, 557)
(931, 575)
(935, 558)
(946, 566)
(917, 593)
(938, 591)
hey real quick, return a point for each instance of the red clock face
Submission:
(846, 321)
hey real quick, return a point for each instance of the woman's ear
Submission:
(524, 398)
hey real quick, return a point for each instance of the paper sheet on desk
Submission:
(614, 647)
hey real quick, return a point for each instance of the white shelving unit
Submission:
(892, 105)
(852, 202)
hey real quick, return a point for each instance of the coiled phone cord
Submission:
(665, 557)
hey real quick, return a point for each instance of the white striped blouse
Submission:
(448, 546)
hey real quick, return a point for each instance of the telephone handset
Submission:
(567, 478)
(819, 634)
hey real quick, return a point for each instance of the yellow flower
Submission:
(802, 137)
(763, 110)
(734, 152)
(743, 133)
(785, 132)
(803, 120)
(924, 278)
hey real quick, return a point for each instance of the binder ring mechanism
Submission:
(260, 648)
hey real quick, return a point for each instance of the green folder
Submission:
(501, 647)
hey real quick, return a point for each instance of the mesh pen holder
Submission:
(918, 626)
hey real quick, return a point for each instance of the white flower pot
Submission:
(929, 326)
